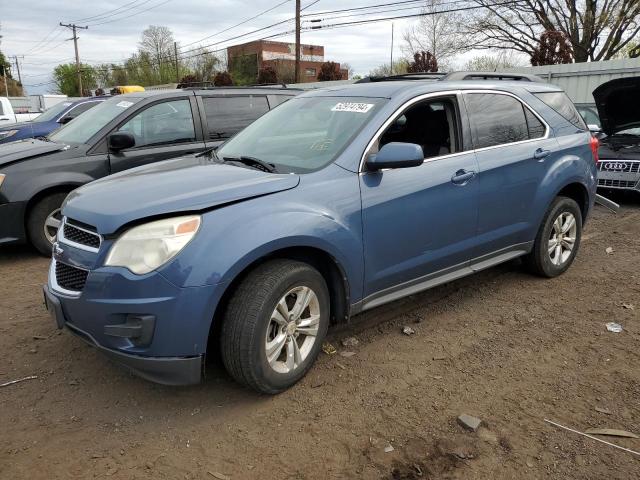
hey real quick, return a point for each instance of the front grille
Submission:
(81, 236)
(70, 278)
(605, 182)
(629, 166)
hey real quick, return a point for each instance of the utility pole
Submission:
(73, 27)
(4, 75)
(297, 69)
(391, 62)
(15, 57)
(175, 52)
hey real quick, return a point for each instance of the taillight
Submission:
(594, 143)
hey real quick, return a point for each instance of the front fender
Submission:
(233, 237)
(68, 180)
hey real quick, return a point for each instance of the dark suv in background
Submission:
(121, 133)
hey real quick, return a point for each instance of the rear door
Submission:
(224, 116)
(164, 129)
(514, 150)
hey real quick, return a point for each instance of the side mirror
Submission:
(396, 155)
(64, 120)
(593, 128)
(120, 140)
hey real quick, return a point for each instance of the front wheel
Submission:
(274, 325)
(558, 239)
(43, 222)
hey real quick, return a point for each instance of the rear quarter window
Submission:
(564, 106)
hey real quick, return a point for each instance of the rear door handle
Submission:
(461, 177)
(541, 154)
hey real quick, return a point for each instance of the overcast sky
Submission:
(24, 26)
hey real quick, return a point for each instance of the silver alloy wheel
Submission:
(292, 329)
(562, 238)
(51, 225)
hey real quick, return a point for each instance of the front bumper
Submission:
(619, 174)
(164, 370)
(156, 329)
(12, 223)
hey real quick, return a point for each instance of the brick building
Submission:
(247, 59)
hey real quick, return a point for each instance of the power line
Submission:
(131, 14)
(104, 13)
(423, 14)
(238, 24)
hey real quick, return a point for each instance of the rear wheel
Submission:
(274, 325)
(43, 222)
(558, 239)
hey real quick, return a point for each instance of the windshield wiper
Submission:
(253, 162)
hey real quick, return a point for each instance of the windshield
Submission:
(93, 120)
(303, 134)
(52, 113)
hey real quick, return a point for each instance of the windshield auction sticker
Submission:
(124, 104)
(352, 107)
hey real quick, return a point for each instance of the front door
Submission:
(163, 130)
(420, 222)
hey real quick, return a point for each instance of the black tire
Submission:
(36, 220)
(539, 260)
(248, 316)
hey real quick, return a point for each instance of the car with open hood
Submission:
(617, 102)
(123, 132)
(335, 202)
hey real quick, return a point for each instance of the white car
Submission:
(8, 116)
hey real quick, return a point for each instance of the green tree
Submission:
(66, 78)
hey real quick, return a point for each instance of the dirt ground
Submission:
(502, 345)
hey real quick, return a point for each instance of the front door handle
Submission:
(461, 177)
(541, 154)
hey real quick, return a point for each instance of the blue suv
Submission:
(335, 202)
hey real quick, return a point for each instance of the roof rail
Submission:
(518, 77)
(456, 76)
(271, 86)
(432, 76)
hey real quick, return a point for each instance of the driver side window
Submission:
(431, 124)
(163, 123)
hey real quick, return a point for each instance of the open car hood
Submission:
(188, 184)
(617, 102)
(23, 149)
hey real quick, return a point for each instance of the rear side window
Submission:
(496, 119)
(83, 107)
(561, 104)
(228, 115)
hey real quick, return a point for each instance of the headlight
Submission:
(149, 246)
(7, 134)
(2, 177)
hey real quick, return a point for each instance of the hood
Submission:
(15, 126)
(617, 102)
(181, 185)
(23, 149)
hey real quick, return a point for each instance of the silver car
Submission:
(617, 102)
